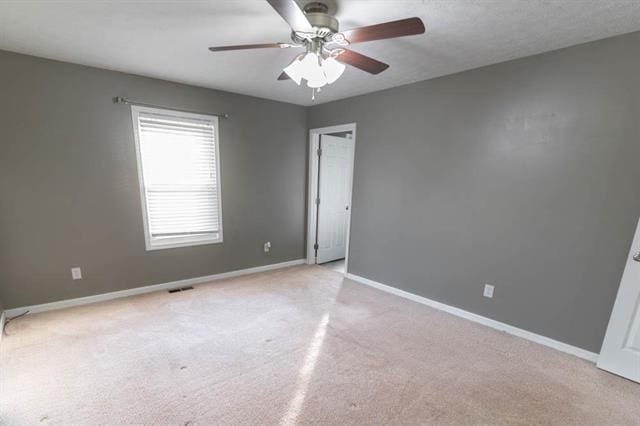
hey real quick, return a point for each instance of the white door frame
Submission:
(314, 143)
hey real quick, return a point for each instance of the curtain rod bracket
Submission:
(126, 101)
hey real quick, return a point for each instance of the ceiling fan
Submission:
(326, 55)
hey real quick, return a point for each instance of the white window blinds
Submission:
(178, 164)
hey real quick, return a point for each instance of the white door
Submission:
(334, 189)
(620, 352)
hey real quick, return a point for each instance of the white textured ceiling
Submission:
(169, 39)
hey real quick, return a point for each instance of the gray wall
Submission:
(524, 174)
(69, 191)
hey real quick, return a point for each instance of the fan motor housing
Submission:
(317, 14)
(322, 21)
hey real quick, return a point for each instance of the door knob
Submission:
(637, 257)
(347, 208)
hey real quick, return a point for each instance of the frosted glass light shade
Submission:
(332, 69)
(294, 70)
(312, 71)
(320, 81)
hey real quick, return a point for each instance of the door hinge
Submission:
(319, 152)
(318, 201)
(315, 246)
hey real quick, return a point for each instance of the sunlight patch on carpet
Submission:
(304, 376)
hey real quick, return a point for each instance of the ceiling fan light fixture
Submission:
(315, 69)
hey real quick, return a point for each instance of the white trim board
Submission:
(148, 289)
(546, 341)
(3, 318)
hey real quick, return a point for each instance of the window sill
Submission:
(177, 244)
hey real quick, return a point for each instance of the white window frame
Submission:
(181, 241)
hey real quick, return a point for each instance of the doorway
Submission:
(331, 160)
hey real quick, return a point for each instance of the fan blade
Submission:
(361, 61)
(250, 46)
(401, 28)
(284, 76)
(292, 14)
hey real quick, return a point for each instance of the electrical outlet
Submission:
(76, 273)
(488, 291)
(267, 246)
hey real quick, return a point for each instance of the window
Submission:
(179, 172)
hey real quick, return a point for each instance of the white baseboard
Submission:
(148, 289)
(563, 347)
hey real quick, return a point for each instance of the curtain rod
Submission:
(122, 100)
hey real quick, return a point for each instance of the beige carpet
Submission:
(295, 346)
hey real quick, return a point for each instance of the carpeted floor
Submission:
(294, 346)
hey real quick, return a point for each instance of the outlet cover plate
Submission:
(488, 291)
(76, 273)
